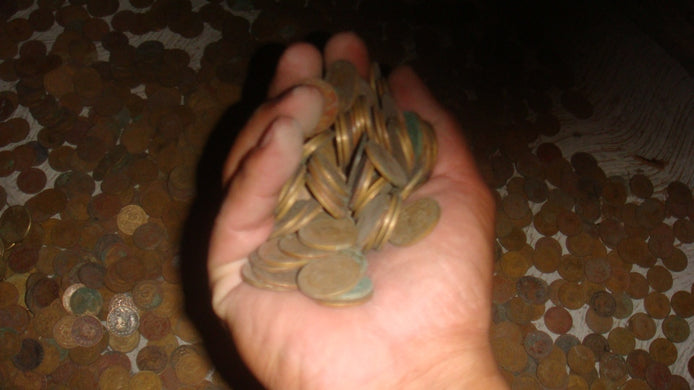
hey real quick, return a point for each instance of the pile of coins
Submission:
(349, 194)
(599, 236)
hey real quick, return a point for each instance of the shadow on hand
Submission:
(202, 212)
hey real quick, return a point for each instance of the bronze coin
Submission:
(558, 320)
(29, 355)
(634, 250)
(547, 254)
(603, 303)
(690, 366)
(571, 268)
(8, 294)
(521, 312)
(41, 294)
(683, 304)
(580, 244)
(624, 307)
(545, 221)
(597, 343)
(641, 186)
(675, 328)
(581, 359)
(597, 323)
(87, 331)
(613, 367)
(152, 358)
(683, 229)
(663, 351)
(657, 305)
(638, 286)
(642, 326)
(154, 327)
(621, 340)
(22, 258)
(538, 344)
(659, 278)
(611, 232)
(658, 375)
(677, 382)
(597, 269)
(552, 373)
(92, 274)
(514, 264)
(637, 362)
(533, 290)
(149, 235)
(661, 240)
(566, 341)
(572, 295)
(503, 289)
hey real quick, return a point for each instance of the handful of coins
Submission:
(348, 195)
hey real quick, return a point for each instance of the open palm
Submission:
(427, 322)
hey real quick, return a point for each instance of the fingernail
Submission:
(283, 123)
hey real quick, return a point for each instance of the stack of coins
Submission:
(349, 194)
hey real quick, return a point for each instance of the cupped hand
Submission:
(426, 325)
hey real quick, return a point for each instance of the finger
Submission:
(304, 103)
(348, 46)
(300, 61)
(411, 94)
(245, 218)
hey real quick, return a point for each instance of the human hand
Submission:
(426, 325)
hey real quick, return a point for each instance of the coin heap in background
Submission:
(615, 231)
(349, 195)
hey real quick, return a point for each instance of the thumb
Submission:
(245, 218)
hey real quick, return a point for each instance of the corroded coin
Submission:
(87, 330)
(122, 320)
(327, 278)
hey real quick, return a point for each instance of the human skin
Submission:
(427, 324)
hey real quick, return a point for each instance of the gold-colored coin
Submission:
(386, 164)
(327, 278)
(130, 218)
(328, 233)
(416, 221)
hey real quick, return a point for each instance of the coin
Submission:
(621, 340)
(328, 233)
(657, 305)
(663, 351)
(538, 344)
(558, 320)
(360, 293)
(683, 303)
(332, 276)
(675, 328)
(343, 77)
(417, 219)
(642, 326)
(122, 320)
(658, 375)
(14, 224)
(87, 330)
(581, 359)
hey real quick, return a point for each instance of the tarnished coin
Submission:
(360, 293)
(122, 320)
(330, 277)
(417, 219)
(343, 77)
(328, 233)
(87, 330)
(14, 224)
(385, 164)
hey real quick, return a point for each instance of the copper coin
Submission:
(624, 306)
(690, 366)
(638, 286)
(611, 232)
(547, 254)
(657, 305)
(642, 326)
(41, 294)
(571, 268)
(675, 328)
(152, 358)
(621, 340)
(572, 295)
(658, 375)
(503, 289)
(659, 278)
(581, 359)
(641, 186)
(566, 341)
(663, 350)
(153, 326)
(597, 269)
(29, 355)
(92, 274)
(149, 235)
(603, 303)
(514, 264)
(580, 244)
(677, 382)
(683, 304)
(87, 330)
(533, 290)
(538, 344)
(558, 320)
(683, 229)
(22, 258)
(552, 373)
(635, 250)
(597, 323)
(637, 362)
(613, 367)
